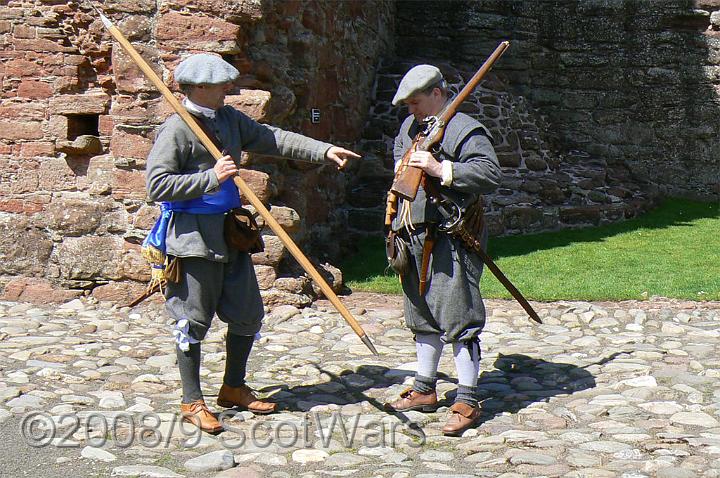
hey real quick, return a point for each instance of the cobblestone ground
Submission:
(599, 390)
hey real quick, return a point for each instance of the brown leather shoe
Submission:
(462, 416)
(412, 400)
(199, 415)
(243, 397)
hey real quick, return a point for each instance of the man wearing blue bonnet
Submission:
(197, 192)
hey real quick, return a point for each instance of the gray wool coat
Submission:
(452, 305)
(179, 168)
(213, 278)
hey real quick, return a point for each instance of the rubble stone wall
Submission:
(597, 109)
(77, 119)
(634, 82)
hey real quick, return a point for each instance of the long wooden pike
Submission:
(247, 192)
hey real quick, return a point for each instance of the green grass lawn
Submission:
(672, 251)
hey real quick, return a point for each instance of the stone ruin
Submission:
(77, 119)
(598, 109)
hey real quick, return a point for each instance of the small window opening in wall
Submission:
(229, 58)
(79, 125)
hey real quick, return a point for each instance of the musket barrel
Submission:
(474, 81)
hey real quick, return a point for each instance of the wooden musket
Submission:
(408, 178)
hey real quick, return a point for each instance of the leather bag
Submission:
(242, 231)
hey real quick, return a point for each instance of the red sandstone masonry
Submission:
(55, 174)
(23, 110)
(36, 149)
(40, 45)
(259, 182)
(39, 291)
(128, 145)
(21, 130)
(128, 77)
(35, 89)
(86, 103)
(249, 11)
(61, 75)
(106, 125)
(197, 33)
(19, 206)
(24, 31)
(20, 67)
(128, 185)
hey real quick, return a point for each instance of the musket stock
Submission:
(407, 178)
(408, 183)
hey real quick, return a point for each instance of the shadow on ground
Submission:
(518, 381)
(515, 382)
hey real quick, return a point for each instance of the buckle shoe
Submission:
(462, 416)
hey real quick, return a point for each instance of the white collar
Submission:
(195, 108)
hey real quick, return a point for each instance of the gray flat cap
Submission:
(205, 69)
(416, 79)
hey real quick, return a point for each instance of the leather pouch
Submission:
(242, 231)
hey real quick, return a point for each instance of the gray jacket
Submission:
(180, 168)
(467, 144)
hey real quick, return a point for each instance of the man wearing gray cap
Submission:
(198, 192)
(450, 309)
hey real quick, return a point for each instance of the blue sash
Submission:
(227, 198)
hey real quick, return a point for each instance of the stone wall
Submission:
(597, 109)
(77, 120)
(635, 82)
